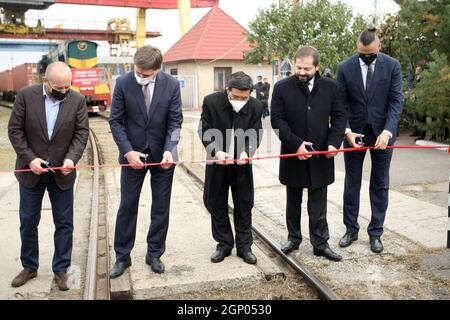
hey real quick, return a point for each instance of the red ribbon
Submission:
(281, 156)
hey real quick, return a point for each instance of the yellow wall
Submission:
(205, 72)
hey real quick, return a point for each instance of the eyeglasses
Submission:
(238, 98)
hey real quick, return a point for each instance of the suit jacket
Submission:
(318, 117)
(219, 117)
(383, 105)
(27, 130)
(133, 129)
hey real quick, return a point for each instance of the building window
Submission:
(221, 78)
(174, 72)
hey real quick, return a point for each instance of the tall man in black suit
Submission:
(145, 122)
(48, 126)
(230, 127)
(308, 111)
(372, 83)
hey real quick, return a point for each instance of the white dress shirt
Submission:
(364, 69)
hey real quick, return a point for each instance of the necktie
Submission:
(147, 98)
(369, 78)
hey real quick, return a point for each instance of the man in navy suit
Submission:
(145, 122)
(374, 98)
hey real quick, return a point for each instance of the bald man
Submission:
(48, 127)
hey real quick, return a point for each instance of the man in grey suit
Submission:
(374, 98)
(48, 127)
(145, 122)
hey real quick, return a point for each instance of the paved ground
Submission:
(416, 225)
(43, 286)
(189, 243)
(415, 232)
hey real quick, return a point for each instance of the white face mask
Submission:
(144, 81)
(237, 105)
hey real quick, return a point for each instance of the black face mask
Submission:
(58, 95)
(368, 59)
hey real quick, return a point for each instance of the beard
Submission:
(303, 80)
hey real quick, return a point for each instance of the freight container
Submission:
(6, 81)
(24, 75)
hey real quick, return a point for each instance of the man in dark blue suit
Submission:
(145, 122)
(374, 98)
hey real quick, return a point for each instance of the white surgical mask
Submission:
(144, 81)
(237, 105)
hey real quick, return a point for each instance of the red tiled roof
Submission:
(215, 36)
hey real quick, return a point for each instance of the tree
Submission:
(419, 36)
(278, 31)
(418, 29)
(432, 96)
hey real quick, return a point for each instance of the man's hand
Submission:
(222, 157)
(244, 156)
(302, 149)
(331, 155)
(35, 166)
(167, 157)
(134, 158)
(382, 141)
(67, 163)
(351, 136)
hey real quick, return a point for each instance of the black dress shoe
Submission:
(327, 253)
(219, 255)
(348, 239)
(289, 247)
(156, 264)
(376, 245)
(119, 268)
(248, 257)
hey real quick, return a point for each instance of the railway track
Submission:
(97, 285)
(323, 291)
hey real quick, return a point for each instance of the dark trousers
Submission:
(30, 215)
(220, 220)
(378, 190)
(131, 181)
(317, 211)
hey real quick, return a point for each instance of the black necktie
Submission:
(369, 78)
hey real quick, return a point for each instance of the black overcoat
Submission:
(217, 119)
(318, 117)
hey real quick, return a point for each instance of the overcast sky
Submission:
(165, 21)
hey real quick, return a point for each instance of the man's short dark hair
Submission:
(148, 58)
(308, 51)
(368, 36)
(241, 81)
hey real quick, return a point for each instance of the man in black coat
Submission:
(262, 94)
(230, 128)
(308, 113)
